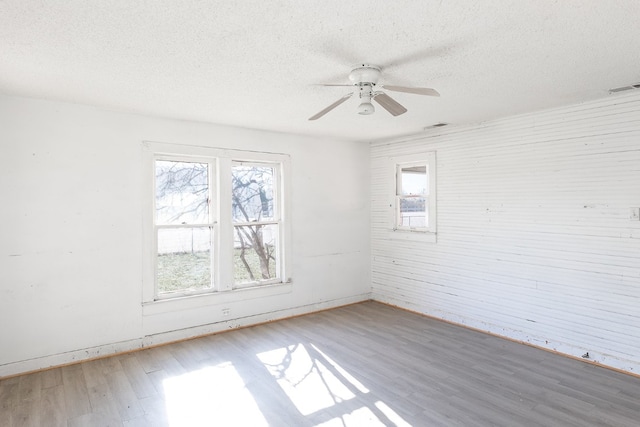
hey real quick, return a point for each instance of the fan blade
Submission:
(331, 107)
(389, 104)
(330, 84)
(414, 90)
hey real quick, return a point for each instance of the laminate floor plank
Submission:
(94, 372)
(5, 418)
(53, 407)
(29, 387)
(171, 368)
(26, 414)
(75, 391)
(8, 394)
(142, 421)
(155, 410)
(123, 395)
(138, 378)
(189, 355)
(103, 401)
(94, 419)
(360, 365)
(151, 359)
(51, 378)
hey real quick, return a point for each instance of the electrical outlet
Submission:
(635, 214)
(226, 311)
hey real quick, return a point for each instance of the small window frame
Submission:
(400, 196)
(396, 165)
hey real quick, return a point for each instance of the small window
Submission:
(413, 208)
(412, 194)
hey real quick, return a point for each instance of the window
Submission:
(412, 192)
(216, 221)
(184, 226)
(413, 209)
(256, 223)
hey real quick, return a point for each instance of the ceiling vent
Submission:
(437, 125)
(624, 88)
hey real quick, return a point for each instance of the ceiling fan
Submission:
(364, 78)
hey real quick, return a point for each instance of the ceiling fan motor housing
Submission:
(365, 73)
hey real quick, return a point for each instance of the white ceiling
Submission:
(254, 63)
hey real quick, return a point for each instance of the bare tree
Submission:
(252, 193)
(182, 190)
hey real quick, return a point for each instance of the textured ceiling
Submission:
(254, 64)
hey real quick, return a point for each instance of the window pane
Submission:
(413, 212)
(182, 192)
(414, 180)
(252, 193)
(184, 259)
(254, 254)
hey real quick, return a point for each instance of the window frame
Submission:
(220, 219)
(400, 167)
(396, 163)
(276, 220)
(212, 222)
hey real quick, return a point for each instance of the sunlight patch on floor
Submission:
(214, 395)
(308, 382)
(391, 415)
(346, 375)
(313, 381)
(358, 418)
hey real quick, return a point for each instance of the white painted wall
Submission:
(534, 240)
(71, 231)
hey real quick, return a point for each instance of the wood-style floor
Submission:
(361, 365)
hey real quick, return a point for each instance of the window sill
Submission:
(151, 308)
(414, 236)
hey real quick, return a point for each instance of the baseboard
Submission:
(626, 366)
(112, 349)
(82, 355)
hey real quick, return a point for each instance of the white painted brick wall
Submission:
(535, 239)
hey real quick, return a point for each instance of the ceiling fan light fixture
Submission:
(366, 108)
